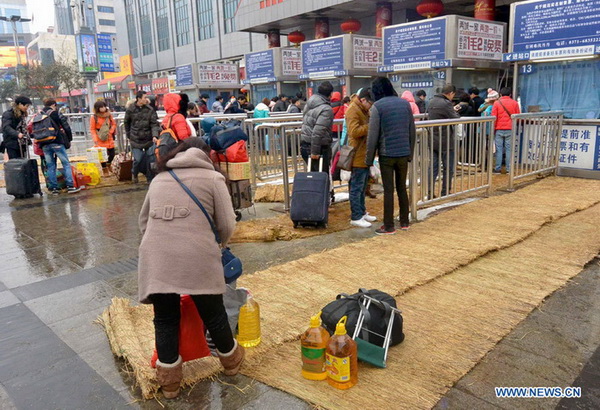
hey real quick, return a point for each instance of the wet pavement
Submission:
(63, 258)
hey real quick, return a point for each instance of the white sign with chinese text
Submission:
(218, 74)
(291, 61)
(579, 147)
(480, 40)
(368, 52)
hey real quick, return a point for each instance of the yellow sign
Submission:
(126, 63)
(8, 56)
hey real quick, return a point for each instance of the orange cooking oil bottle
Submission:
(342, 358)
(314, 343)
(249, 323)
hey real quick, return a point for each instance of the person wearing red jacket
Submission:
(502, 110)
(174, 116)
(339, 111)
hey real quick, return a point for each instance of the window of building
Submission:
(162, 24)
(106, 9)
(104, 22)
(182, 22)
(229, 9)
(131, 29)
(205, 19)
(146, 27)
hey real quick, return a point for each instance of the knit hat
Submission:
(21, 99)
(492, 95)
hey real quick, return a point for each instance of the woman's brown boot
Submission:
(169, 377)
(233, 360)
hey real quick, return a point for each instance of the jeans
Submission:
(358, 188)
(167, 315)
(393, 173)
(325, 154)
(447, 158)
(140, 162)
(51, 152)
(503, 140)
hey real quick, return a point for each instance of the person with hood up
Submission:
(316, 128)
(103, 128)
(408, 96)
(194, 266)
(339, 111)
(175, 117)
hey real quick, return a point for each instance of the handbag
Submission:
(346, 159)
(232, 265)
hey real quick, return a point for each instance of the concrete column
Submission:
(274, 38)
(321, 27)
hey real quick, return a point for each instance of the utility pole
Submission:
(82, 30)
(14, 20)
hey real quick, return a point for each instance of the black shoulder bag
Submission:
(232, 265)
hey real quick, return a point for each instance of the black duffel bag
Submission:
(376, 320)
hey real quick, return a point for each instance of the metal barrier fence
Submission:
(451, 158)
(534, 145)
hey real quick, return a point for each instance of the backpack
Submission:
(44, 130)
(376, 321)
(104, 130)
(225, 134)
(167, 140)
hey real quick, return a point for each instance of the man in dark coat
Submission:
(142, 130)
(14, 133)
(442, 108)
(282, 104)
(316, 128)
(476, 101)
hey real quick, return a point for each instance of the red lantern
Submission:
(350, 26)
(430, 8)
(296, 37)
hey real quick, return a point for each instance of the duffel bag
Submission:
(223, 136)
(376, 322)
(237, 152)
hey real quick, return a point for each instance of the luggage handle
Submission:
(320, 163)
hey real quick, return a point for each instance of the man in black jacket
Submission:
(57, 149)
(13, 128)
(476, 101)
(142, 130)
(282, 104)
(442, 108)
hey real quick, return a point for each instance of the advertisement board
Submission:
(481, 40)
(291, 61)
(367, 52)
(321, 56)
(260, 65)
(87, 54)
(160, 85)
(218, 74)
(414, 42)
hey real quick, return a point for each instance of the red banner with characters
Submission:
(485, 10)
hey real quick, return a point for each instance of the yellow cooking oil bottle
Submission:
(249, 323)
(342, 358)
(314, 343)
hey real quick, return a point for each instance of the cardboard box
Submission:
(237, 171)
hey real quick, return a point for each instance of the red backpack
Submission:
(167, 140)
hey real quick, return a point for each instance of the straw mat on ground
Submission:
(451, 323)
(290, 293)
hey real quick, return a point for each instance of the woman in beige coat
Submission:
(179, 255)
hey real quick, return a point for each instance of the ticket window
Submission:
(356, 83)
(431, 82)
(465, 79)
(292, 88)
(260, 91)
(338, 85)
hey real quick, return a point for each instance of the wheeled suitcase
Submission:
(22, 178)
(310, 198)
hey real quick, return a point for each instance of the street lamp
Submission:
(14, 20)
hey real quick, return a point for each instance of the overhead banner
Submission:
(260, 66)
(160, 85)
(218, 74)
(326, 55)
(291, 61)
(480, 40)
(554, 29)
(367, 52)
(414, 42)
(184, 75)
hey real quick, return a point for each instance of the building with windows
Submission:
(14, 8)
(164, 34)
(99, 15)
(47, 48)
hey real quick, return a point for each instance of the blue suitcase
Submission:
(310, 198)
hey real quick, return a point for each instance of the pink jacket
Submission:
(408, 96)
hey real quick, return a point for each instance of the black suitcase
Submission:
(22, 178)
(310, 198)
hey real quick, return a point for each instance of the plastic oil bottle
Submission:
(342, 358)
(249, 323)
(314, 343)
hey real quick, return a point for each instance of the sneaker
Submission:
(369, 218)
(361, 223)
(384, 231)
(405, 227)
(54, 191)
(73, 190)
(497, 171)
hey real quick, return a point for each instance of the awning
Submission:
(115, 82)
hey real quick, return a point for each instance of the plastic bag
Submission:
(91, 171)
(345, 175)
(192, 344)
(374, 170)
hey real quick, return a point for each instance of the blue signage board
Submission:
(105, 53)
(184, 76)
(556, 28)
(260, 65)
(323, 55)
(414, 42)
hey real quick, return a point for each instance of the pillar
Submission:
(274, 38)
(321, 27)
(485, 10)
(383, 17)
